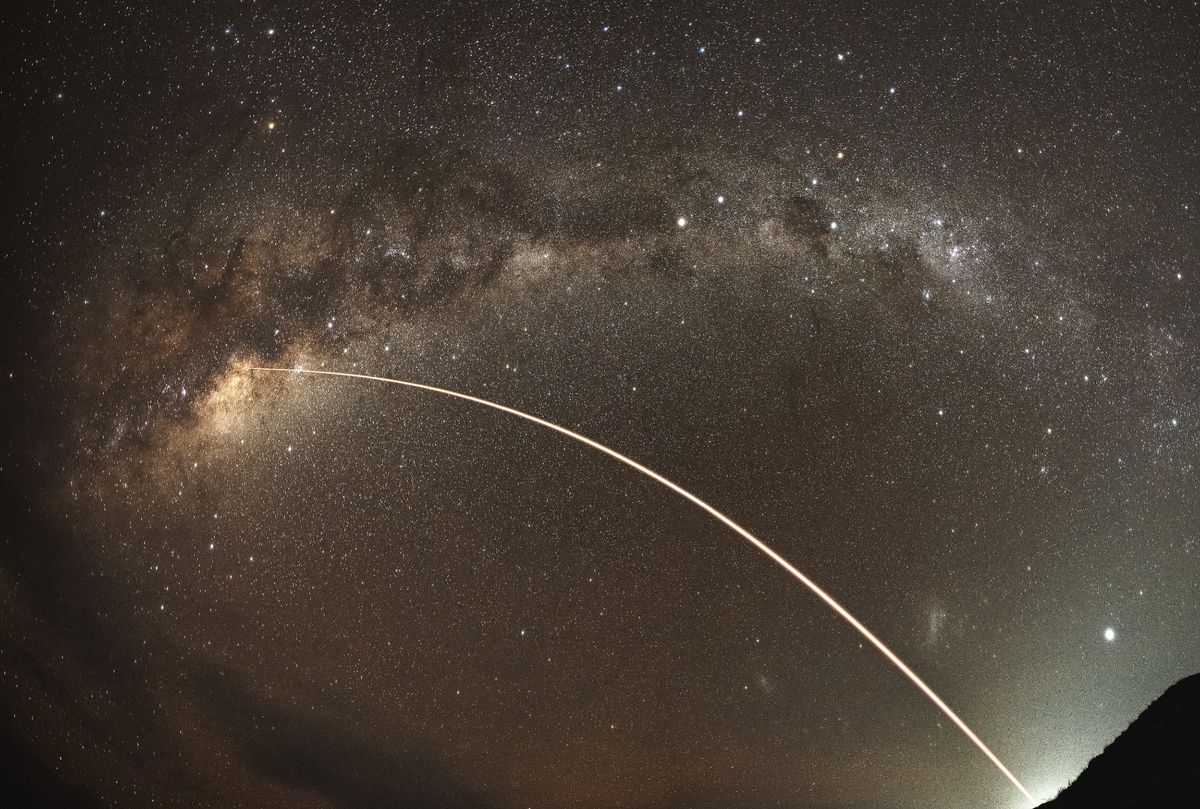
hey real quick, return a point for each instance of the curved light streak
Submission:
(816, 589)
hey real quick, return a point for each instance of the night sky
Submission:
(912, 292)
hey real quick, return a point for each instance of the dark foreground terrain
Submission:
(1154, 763)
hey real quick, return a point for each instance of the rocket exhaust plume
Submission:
(733, 526)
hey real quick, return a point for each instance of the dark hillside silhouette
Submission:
(1154, 763)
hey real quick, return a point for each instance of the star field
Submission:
(909, 290)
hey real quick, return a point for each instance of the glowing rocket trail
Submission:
(739, 530)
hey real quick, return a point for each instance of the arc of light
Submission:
(816, 589)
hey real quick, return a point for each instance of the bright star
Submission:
(1110, 634)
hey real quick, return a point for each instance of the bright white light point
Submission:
(681, 221)
(833, 226)
(620, 87)
(1178, 276)
(941, 412)
(703, 49)
(840, 155)
(926, 295)
(841, 57)
(720, 199)
(1110, 634)
(758, 40)
(270, 32)
(814, 181)
(741, 113)
(891, 91)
